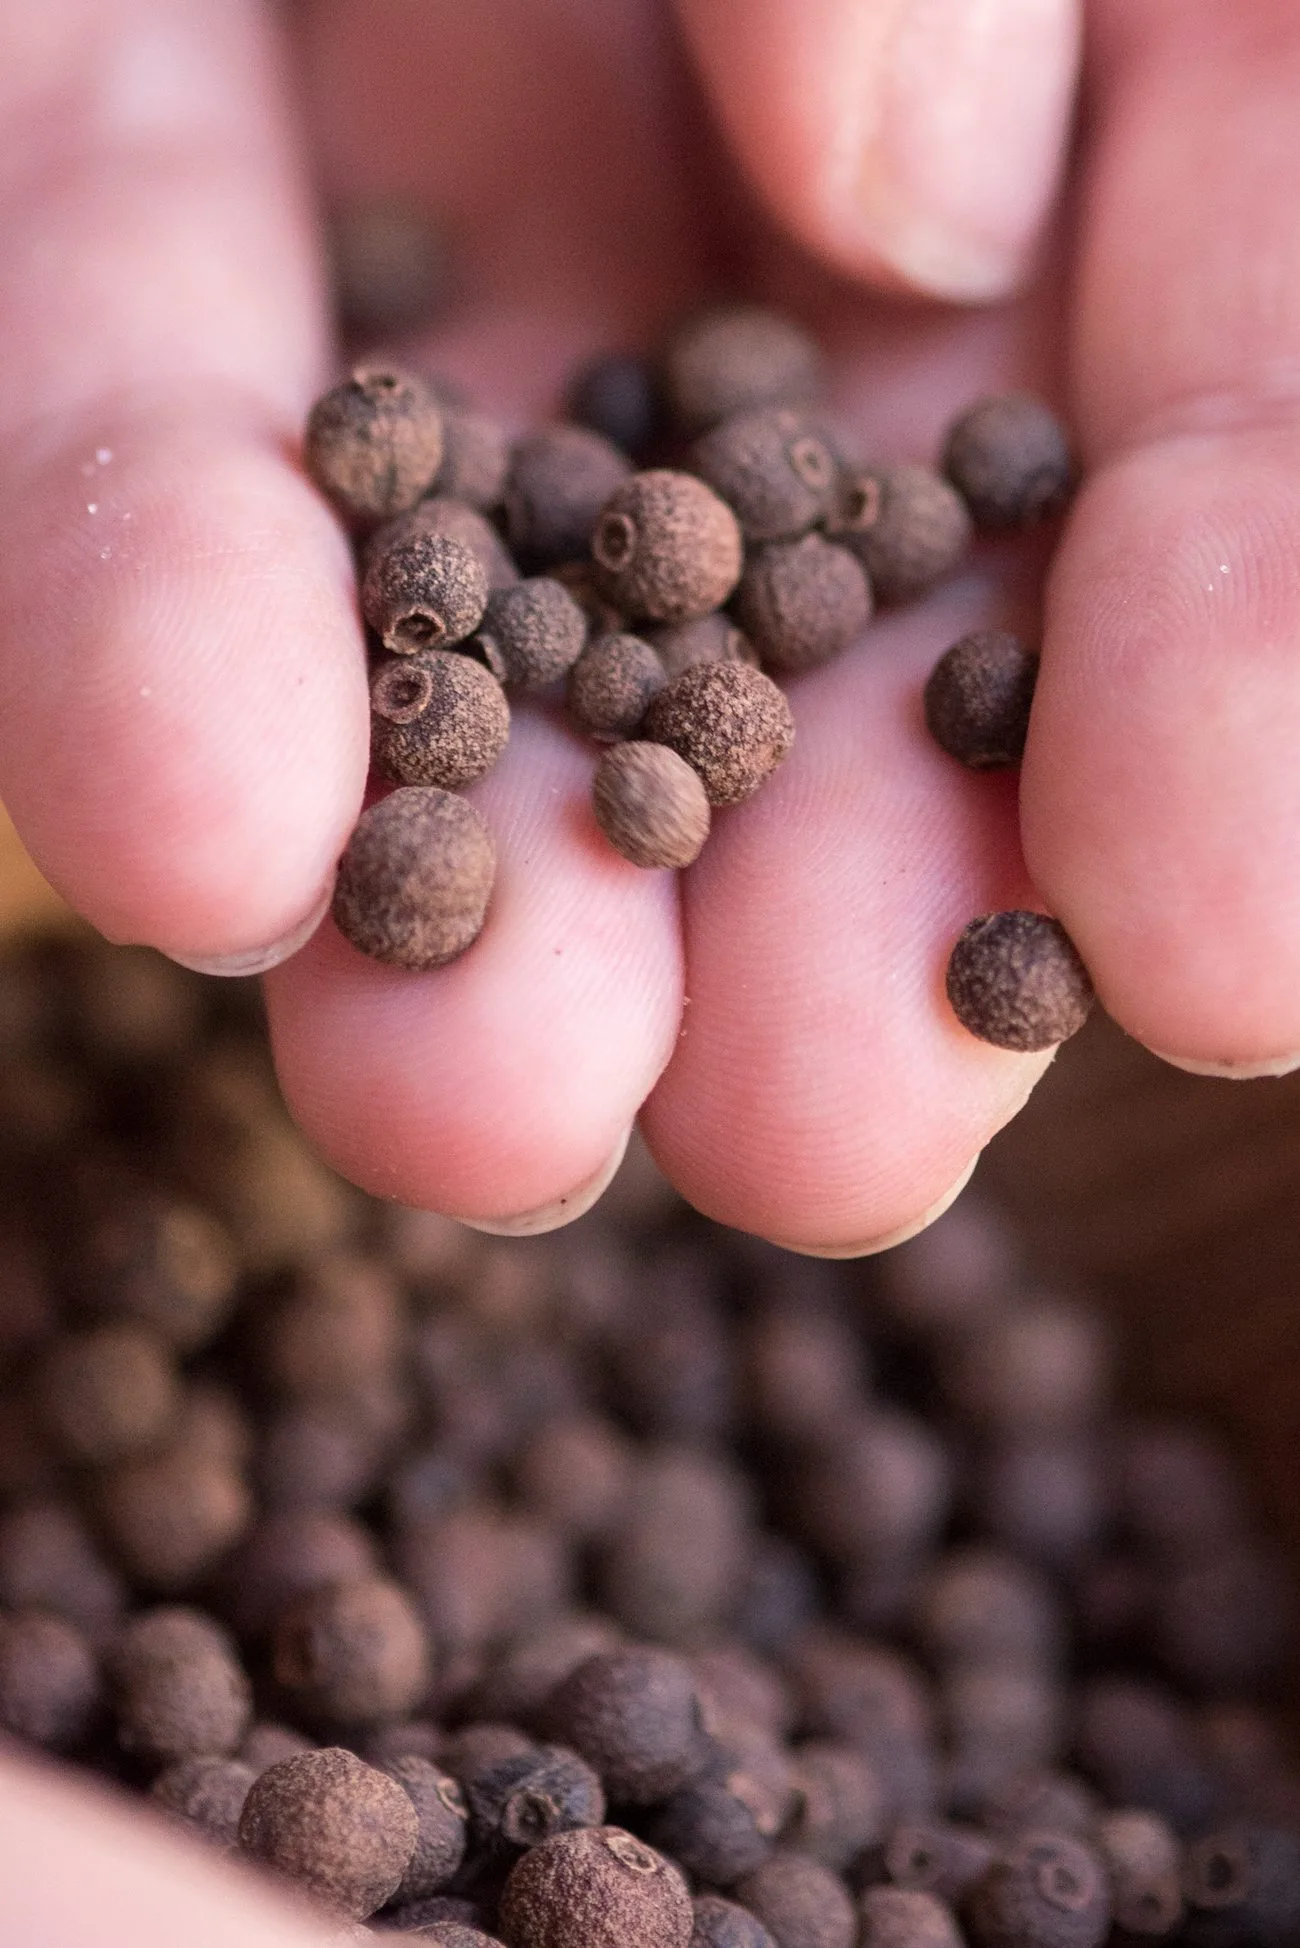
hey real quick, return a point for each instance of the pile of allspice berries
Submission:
(697, 527)
(639, 1586)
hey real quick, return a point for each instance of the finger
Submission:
(913, 142)
(182, 720)
(502, 1084)
(79, 1866)
(1161, 798)
(822, 1093)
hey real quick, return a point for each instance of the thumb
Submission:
(916, 143)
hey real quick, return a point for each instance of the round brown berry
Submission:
(907, 526)
(978, 698)
(531, 633)
(729, 722)
(774, 473)
(802, 602)
(596, 1887)
(612, 683)
(733, 358)
(1015, 979)
(342, 1830)
(560, 477)
(667, 548)
(651, 805)
(439, 718)
(414, 883)
(352, 1653)
(1010, 461)
(424, 592)
(374, 443)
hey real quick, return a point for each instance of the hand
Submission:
(182, 701)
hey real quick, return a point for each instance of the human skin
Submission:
(182, 697)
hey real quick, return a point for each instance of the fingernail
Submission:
(1233, 1071)
(260, 960)
(563, 1210)
(891, 1238)
(953, 130)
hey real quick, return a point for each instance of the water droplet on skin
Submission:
(105, 554)
(103, 455)
(92, 507)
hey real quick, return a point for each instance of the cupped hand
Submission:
(182, 695)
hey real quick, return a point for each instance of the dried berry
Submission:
(906, 1917)
(801, 1903)
(443, 1816)
(208, 1794)
(611, 684)
(670, 1568)
(374, 443)
(978, 1606)
(713, 638)
(595, 1888)
(559, 479)
(169, 1518)
(1049, 1891)
(1010, 461)
(769, 466)
(107, 1393)
(725, 1924)
(288, 1553)
(1142, 1857)
(48, 1561)
(49, 1681)
(1044, 1498)
(802, 602)
(414, 884)
(481, 1575)
(938, 1856)
(481, 1747)
(178, 1689)
(436, 719)
(266, 1743)
(424, 591)
(1053, 1802)
(978, 697)
(874, 1700)
(531, 634)
(351, 1653)
(475, 457)
(667, 548)
(158, 1260)
(880, 1484)
(617, 395)
(729, 722)
(1016, 980)
(524, 1799)
(455, 521)
(906, 526)
(344, 1832)
(575, 1472)
(529, 1668)
(734, 358)
(1038, 1367)
(633, 1715)
(841, 1805)
(651, 805)
(388, 265)
(722, 1825)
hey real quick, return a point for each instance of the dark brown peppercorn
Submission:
(734, 358)
(334, 1330)
(475, 457)
(1049, 1891)
(523, 1800)
(906, 1917)
(730, 723)
(414, 883)
(530, 1668)
(1010, 461)
(531, 634)
(651, 806)
(575, 1473)
(802, 602)
(49, 1682)
(207, 1794)
(436, 719)
(160, 1261)
(1243, 1886)
(976, 1605)
(712, 638)
(560, 477)
(938, 1856)
(1142, 1856)
(1015, 979)
(443, 1816)
(668, 550)
(455, 521)
(445, 1917)
(725, 1924)
(266, 1743)
(879, 1484)
(769, 466)
(634, 1715)
(801, 1903)
(451, 1934)
(595, 1888)
(169, 1518)
(289, 1552)
(178, 1689)
(841, 1805)
(344, 1832)
(424, 592)
(978, 697)
(906, 526)
(107, 1393)
(670, 1568)
(722, 1825)
(352, 1653)
(48, 1561)
(481, 1747)
(611, 684)
(872, 1699)
(617, 394)
(1053, 1802)
(374, 443)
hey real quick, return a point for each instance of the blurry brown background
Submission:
(1175, 1199)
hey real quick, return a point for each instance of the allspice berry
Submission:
(475, 457)
(178, 1687)
(775, 474)
(597, 1887)
(907, 526)
(1010, 461)
(733, 358)
(938, 1856)
(634, 1715)
(424, 592)
(343, 1831)
(667, 548)
(559, 479)
(444, 1823)
(107, 1393)
(170, 1517)
(351, 1653)
(905, 1917)
(724, 1824)
(651, 806)
(801, 1903)
(721, 1923)
(374, 443)
(713, 638)
(617, 394)
(454, 520)
(1048, 1891)
(49, 1681)
(802, 602)
(1015, 979)
(611, 684)
(1243, 1886)
(438, 718)
(414, 884)
(1143, 1858)
(531, 633)
(525, 1799)
(730, 723)
(159, 1260)
(978, 698)
(207, 1794)
(841, 1804)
